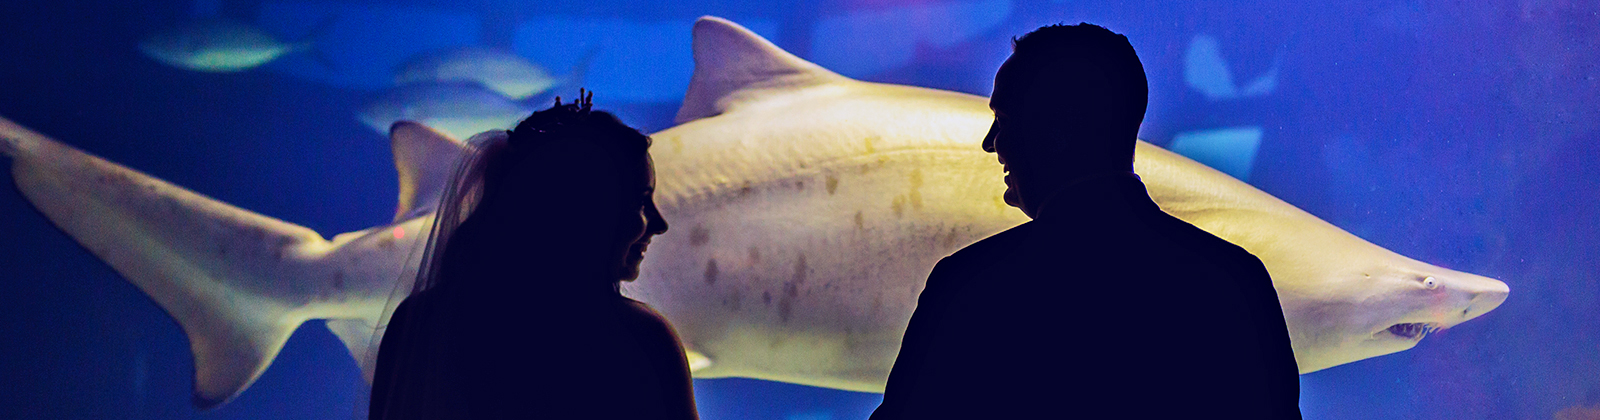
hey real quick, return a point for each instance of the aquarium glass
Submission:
(1460, 134)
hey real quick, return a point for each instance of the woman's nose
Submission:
(658, 224)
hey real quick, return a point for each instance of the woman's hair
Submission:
(498, 164)
(525, 216)
(530, 143)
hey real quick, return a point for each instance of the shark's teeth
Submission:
(1414, 330)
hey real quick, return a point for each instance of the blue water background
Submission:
(1464, 134)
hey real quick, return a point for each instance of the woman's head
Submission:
(572, 187)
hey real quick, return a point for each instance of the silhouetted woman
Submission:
(516, 312)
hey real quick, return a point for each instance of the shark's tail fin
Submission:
(206, 263)
(15, 140)
(313, 41)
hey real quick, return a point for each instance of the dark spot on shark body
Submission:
(711, 271)
(785, 308)
(766, 298)
(786, 304)
(832, 184)
(699, 236)
(284, 242)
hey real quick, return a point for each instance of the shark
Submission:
(807, 209)
(457, 108)
(221, 46)
(500, 70)
(464, 91)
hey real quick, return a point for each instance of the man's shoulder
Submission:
(989, 249)
(1199, 240)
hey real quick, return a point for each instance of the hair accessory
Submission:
(559, 118)
(585, 102)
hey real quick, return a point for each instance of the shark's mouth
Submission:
(1414, 330)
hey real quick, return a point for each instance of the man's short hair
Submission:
(1095, 76)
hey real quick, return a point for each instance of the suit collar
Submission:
(1096, 191)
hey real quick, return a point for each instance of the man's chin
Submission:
(1010, 197)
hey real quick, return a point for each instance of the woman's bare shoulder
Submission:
(643, 315)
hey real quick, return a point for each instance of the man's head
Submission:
(1068, 103)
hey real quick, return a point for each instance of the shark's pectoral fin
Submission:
(697, 361)
(358, 336)
(730, 61)
(229, 354)
(208, 264)
(423, 157)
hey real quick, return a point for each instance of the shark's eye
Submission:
(1430, 283)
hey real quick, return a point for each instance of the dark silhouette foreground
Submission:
(518, 314)
(1103, 306)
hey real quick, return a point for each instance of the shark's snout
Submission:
(1482, 294)
(1447, 298)
(1456, 297)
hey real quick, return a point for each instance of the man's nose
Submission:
(988, 139)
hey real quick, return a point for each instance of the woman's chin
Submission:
(629, 271)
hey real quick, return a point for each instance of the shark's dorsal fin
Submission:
(730, 61)
(423, 157)
(697, 361)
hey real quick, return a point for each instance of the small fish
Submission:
(460, 109)
(220, 46)
(1206, 71)
(1231, 150)
(499, 70)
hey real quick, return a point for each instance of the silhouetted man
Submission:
(1103, 306)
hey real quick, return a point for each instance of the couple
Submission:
(1101, 307)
